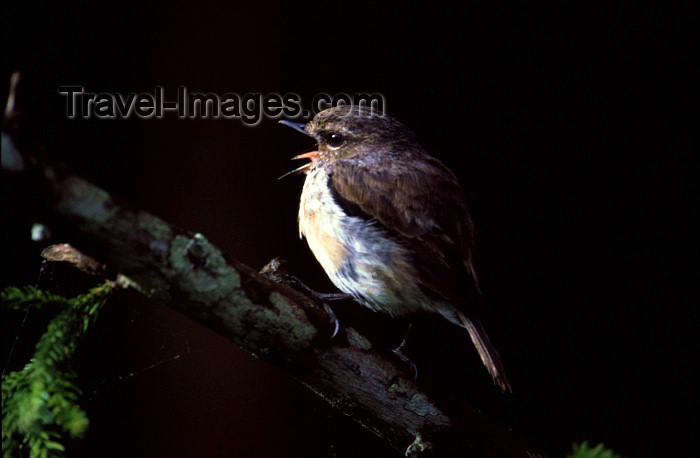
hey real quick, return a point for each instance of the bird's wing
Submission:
(421, 204)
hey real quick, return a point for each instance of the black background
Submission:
(565, 124)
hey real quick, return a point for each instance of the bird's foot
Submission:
(320, 296)
(324, 298)
(276, 270)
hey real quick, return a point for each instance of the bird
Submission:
(389, 223)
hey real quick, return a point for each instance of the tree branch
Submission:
(257, 312)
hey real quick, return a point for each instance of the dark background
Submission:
(564, 123)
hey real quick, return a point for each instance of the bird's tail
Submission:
(487, 352)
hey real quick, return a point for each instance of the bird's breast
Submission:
(321, 221)
(358, 255)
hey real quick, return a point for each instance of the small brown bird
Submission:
(389, 223)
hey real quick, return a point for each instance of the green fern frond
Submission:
(29, 297)
(583, 450)
(39, 402)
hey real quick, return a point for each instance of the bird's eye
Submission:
(335, 140)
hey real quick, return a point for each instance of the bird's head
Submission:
(349, 131)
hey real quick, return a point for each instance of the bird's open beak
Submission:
(296, 126)
(313, 155)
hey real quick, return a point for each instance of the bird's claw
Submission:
(414, 370)
(398, 351)
(333, 318)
